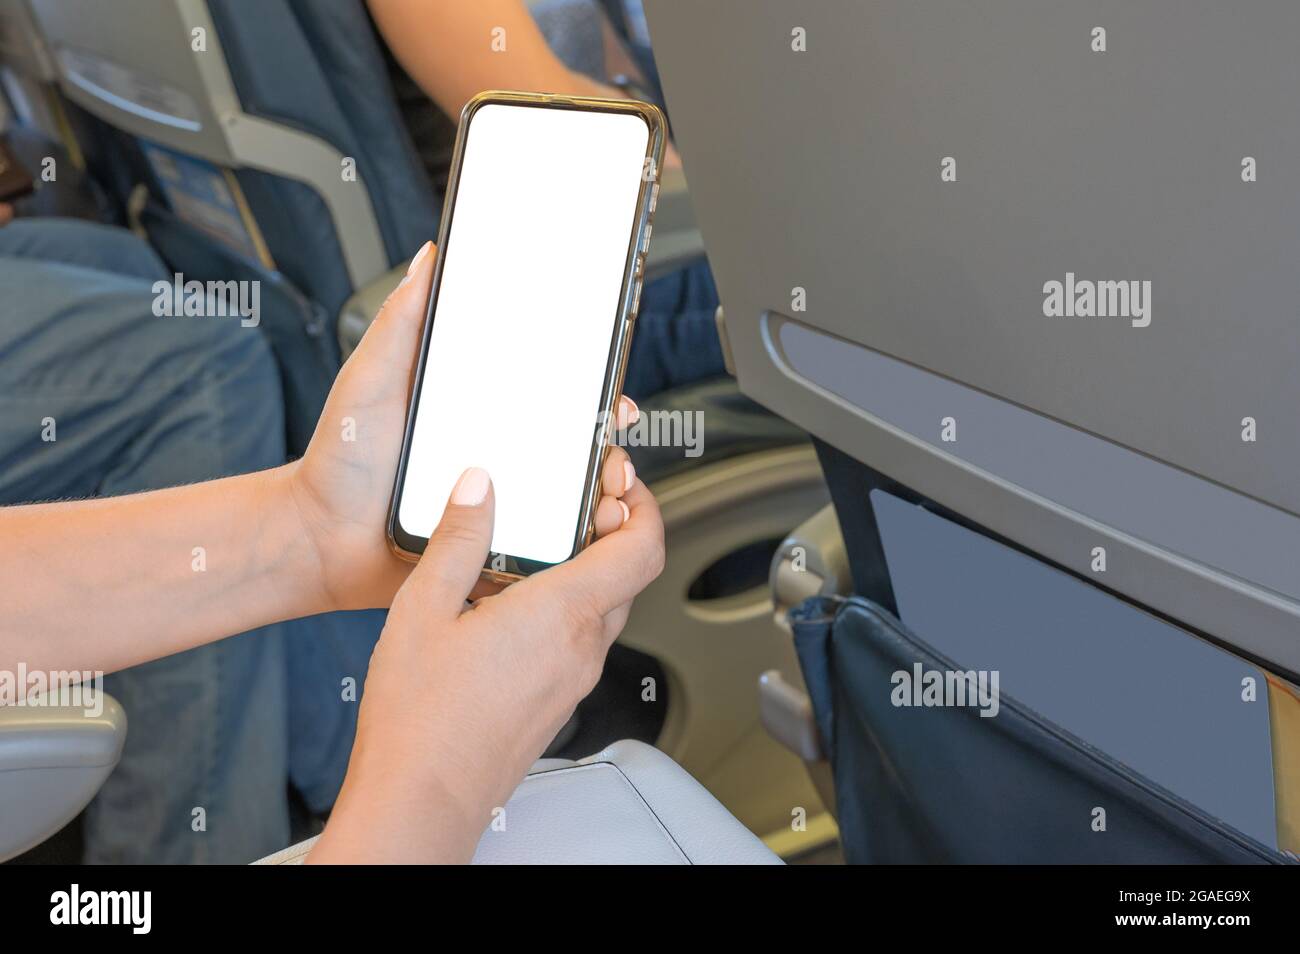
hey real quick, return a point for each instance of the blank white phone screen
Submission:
(522, 326)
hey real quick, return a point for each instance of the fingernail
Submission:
(471, 490)
(629, 475)
(419, 257)
(626, 513)
(415, 263)
(626, 418)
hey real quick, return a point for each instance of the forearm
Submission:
(109, 583)
(455, 50)
(392, 819)
(427, 773)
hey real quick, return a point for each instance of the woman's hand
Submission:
(342, 486)
(459, 702)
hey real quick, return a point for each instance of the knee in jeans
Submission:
(86, 244)
(246, 366)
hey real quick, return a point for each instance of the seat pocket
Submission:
(982, 779)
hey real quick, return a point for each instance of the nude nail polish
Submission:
(415, 263)
(472, 487)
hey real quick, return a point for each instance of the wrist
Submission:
(343, 546)
(297, 553)
(387, 814)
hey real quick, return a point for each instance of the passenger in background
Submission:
(99, 397)
(448, 52)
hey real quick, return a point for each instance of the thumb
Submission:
(458, 547)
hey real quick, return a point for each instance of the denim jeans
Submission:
(676, 337)
(141, 402)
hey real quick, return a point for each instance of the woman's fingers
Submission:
(625, 413)
(607, 574)
(616, 478)
(618, 475)
(616, 568)
(610, 514)
(393, 338)
(457, 549)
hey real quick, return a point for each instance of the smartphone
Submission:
(535, 289)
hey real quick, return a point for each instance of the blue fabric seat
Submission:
(319, 69)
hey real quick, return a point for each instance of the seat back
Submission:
(26, 70)
(22, 48)
(903, 307)
(269, 145)
(917, 201)
(944, 784)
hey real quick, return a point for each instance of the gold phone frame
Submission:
(510, 568)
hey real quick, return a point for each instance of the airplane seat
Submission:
(628, 804)
(576, 31)
(319, 67)
(1052, 619)
(573, 32)
(27, 71)
(53, 759)
(1034, 787)
(35, 125)
(1037, 783)
(260, 147)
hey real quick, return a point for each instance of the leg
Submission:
(328, 659)
(77, 242)
(676, 338)
(98, 396)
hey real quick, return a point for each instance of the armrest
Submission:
(359, 311)
(700, 828)
(629, 804)
(53, 759)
